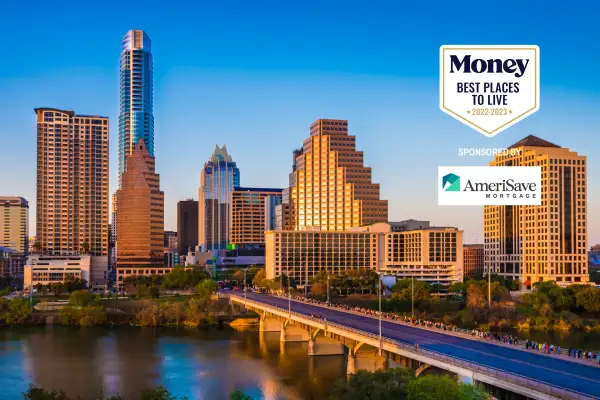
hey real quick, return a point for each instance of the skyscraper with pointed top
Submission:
(136, 117)
(217, 179)
(140, 227)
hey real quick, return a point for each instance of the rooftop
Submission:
(249, 189)
(533, 141)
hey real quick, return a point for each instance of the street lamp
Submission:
(413, 296)
(328, 302)
(289, 293)
(379, 284)
(489, 287)
(245, 285)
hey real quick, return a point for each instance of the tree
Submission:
(206, 288)
(259, 278)
(82, 298)
(159, 393)
(17, 312)
(380, 385)
(36, 393)
(588, 299)
(238, 276)
(318, 289)
(460, 288)
(403, 289)
(238, 395)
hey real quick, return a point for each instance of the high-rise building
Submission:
(432, 254)
(136, 117)
(249, 207)
(140, 229)
(331, 188)
(72, 183)
(187, 226)
(170, 239)
(546, 242)
(217, 179)
(474, 260)
(14, 226)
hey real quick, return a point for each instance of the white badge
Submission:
(489, 88)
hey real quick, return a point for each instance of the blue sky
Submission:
(254, 75)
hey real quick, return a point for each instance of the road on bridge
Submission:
(550, 370)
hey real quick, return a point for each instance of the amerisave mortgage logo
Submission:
(489, 88)
(481, 186)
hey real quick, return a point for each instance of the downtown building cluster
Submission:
(330, 217)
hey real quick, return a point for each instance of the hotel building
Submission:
(14, 225)
(433, 254)
(72, 187)
(546, 242)
(252, 210)
(330, 187)
(218, 178)
(140, 231)
(474, 260)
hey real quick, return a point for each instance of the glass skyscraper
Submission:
(218, 178)
(136, 118)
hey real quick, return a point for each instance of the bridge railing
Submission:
(516, 379)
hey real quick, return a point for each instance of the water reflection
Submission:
(205, 364)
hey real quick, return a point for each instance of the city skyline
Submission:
(391, 106)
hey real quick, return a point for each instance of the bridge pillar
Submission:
(269, 324)
(324, 347)
(293, 333)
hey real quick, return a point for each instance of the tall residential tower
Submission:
(136, 118)
(546, 242)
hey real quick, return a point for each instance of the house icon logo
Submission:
(451, 183)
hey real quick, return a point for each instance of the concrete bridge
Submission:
(337, 332)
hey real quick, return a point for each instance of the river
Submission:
(200, 364)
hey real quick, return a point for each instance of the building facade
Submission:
(72, 183)
(474, 260)
(546, 242)
(248, 216)
(140, 230)
(136, 117)
(14, 226)
(408, 225)
(187, 226)
(218, 178)
(331, 188)
(11, 262)
(170, 239)
(433, 255)
(44, 270)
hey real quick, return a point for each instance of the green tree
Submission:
(238, 276)
(403, 289)
(380, 385)
(318, 289)
(82, 298)
(238, 395)
(259, 278)
(460, 288)
(36, 393)
(17, 312)
(433, 388)
(588, 299)
(206, 288)
(159, 393)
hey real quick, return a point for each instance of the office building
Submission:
(44, 270)
(474, 260)
(546, 242)
(72, 186)
(140, 231)
(249, 207)
(11, 262)
(283, 214)
(594, 257)
(331, 188)
(432, 254)
(271, 216)
(170, 239)
(14, 226)
(187, 226)
(218, 178)
(136, 117)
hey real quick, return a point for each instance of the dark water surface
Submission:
(200, 364)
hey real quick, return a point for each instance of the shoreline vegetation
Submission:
(394, 384)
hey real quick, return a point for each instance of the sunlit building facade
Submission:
(546, 242)
(140, 231)
(251, 211)
(218, 178)
(72, 183)
(331, 188)
(14, 225)
(432, 254)
(474, 260)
